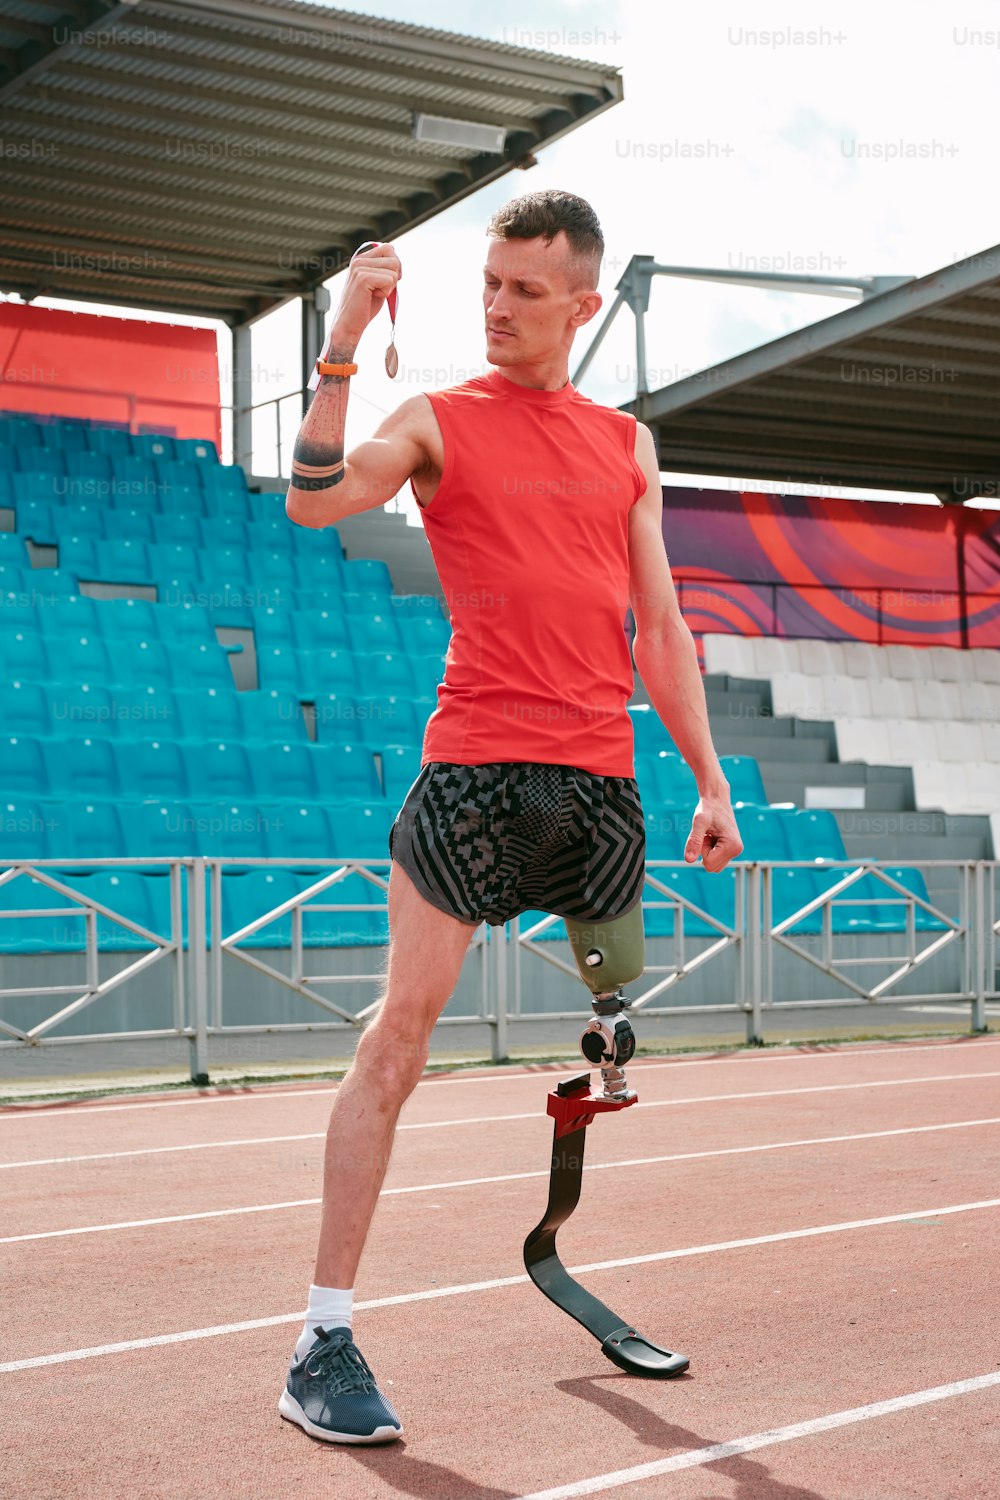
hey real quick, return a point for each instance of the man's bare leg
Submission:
(426, 950)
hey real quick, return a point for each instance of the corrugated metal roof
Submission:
(898, 392)
(221, 157)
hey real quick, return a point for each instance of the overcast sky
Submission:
(854, 138)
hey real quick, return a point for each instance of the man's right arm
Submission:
(325, 486)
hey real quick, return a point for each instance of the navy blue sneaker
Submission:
(332, 1394)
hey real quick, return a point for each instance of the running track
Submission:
(816, 1228)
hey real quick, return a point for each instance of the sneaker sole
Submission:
(292, 1412)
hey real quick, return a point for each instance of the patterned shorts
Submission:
(485, 843)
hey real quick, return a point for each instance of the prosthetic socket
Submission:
(609, 954)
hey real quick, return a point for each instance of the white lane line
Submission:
(438, 1187)
(488, 1286)
(25, 1112)
(533, 1114)
(696, 1457)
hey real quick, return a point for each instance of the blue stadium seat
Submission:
(278, 669)
(23, 656)
(24, 828)
(172, 559)
(141, 473)
(377, 632)
(12, 577)
(128, 893)
(188, 623)
(319, 630)
(77, 708)
(226, 531)
(360, 829)
(363, 574)
(228, 828)
(41, 461)
(65, 436)
(176, 473)
(330, 671)
(22, 765)
(229, 565)
(119, 620)
(63, 932)
(669, 778)
(366, 601)
(205, 665)
(224, 500)
(887, 913)
(135, 494)
(400, 769)
(159, 828)
(274, 628)
(648, 730)
(134, 525)
(92, 466)
(110, 440)
(77, 555)
(182, 528)
(694, 886)
(424, 633)
(272, 569)
(197, 450)
(814, 833)
(745, 781)
(52, 581)
(153, 445)
(428, 673)
(376, 719)
(390, 672)
(141, 709)
(34, 519)
(223, 477)
(246, 897)
(319, 570)
(20, 432)
(274, 534)
(667, 829)
(345, 770)
(296, 831)
(24, 708)
(83, 764)
(87, 828)
(283, 771)
(210, 714)
(12, 549)
(763, 831)
(791, 890)
(86, 658)
(154, 768)
(271, 716)
(269, 505)
(18, 611)
(220, 769)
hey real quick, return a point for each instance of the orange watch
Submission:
(323, 368)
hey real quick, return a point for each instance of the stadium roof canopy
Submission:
(897, 392)
(221, 156)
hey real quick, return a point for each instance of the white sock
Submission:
(329, 1306)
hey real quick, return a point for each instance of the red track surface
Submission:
(500, 1394)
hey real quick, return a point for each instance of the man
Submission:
(544, 515)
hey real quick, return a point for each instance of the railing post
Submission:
(199, 972)
(982, 945)
(755, 939)
(500, 940)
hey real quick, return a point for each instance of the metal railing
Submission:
(749, 956)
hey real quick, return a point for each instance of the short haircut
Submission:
(545, 213)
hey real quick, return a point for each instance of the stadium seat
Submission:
(127, 893)
(283, 771)
(220, 769)
(62, 932)
(666, 832)
(271, 716)
(112, 441)
(24, 828)
(693, 886)
(400, 769)
(297, 831)
(153, 445)
(246, 898)
(83, 764)
(88, 829)
(743, 775)
(22, 764)
(181, 529)
(41, 461)
(197, 450)
(376, 632)
(648, 730)
(390, 672)
(153, 768)
(119, 620)
(209, 714)
(814, 833)
(320, 630)
(360, 829)
(763, 831)
(333, 671)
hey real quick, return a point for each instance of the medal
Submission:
(391, 302)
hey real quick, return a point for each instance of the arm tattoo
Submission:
(315, 467)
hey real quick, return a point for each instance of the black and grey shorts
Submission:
(485, 843)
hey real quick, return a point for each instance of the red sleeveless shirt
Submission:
(529, 533)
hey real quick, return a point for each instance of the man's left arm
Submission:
(667, 662)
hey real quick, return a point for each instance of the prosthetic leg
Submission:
(607, 954)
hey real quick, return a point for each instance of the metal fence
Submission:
(752, 965)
